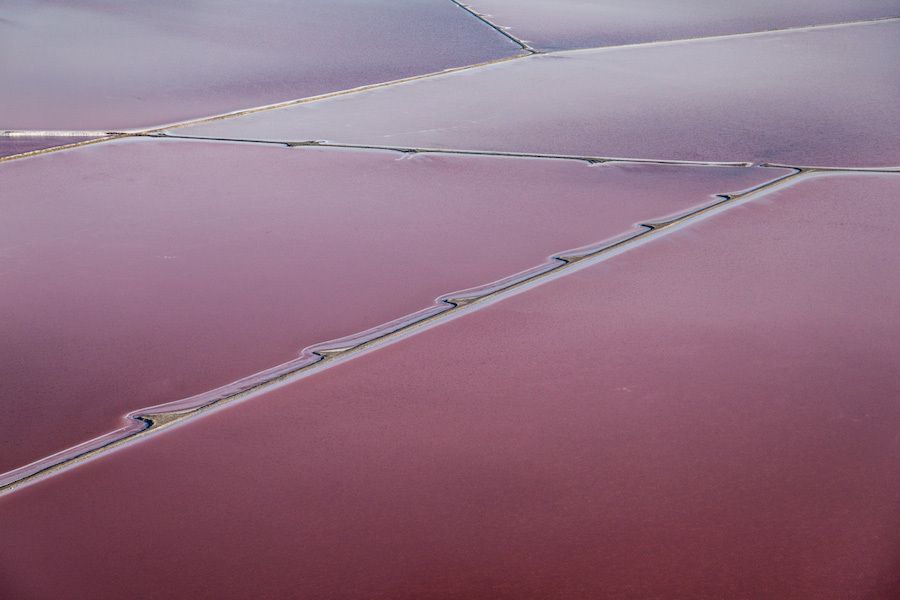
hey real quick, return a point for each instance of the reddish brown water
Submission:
(823, 97)
(566, 24)
(144, 271)
(710, 415)
(106, 64)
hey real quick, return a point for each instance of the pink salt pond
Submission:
(142, 272)
(708, 410)
(711, 414)
(815, 97)
(106, 64)
(567, 24)
(12, 145)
